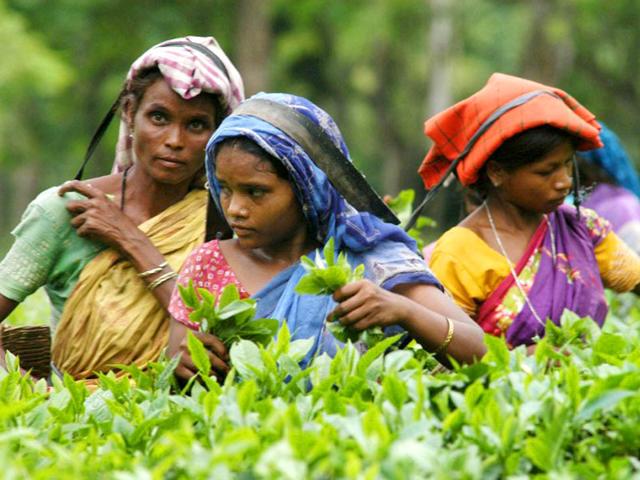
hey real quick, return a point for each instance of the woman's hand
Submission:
(363, 304)
(97, 217)
(218, 355)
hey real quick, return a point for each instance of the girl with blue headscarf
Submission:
(281, 206)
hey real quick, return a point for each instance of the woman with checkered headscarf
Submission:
(107, 249)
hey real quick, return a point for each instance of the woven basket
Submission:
(32, 344)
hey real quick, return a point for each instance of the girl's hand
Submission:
(218, 356)
(97, 217)
(363, 304)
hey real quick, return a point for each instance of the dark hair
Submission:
(523, 149)
(133, 95)
(590, 173)
(249, 146)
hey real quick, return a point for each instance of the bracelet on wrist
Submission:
(161, 279)
(153, 271)
(447, 340)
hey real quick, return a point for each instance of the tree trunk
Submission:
(253, 42)
(440, 53)
(25, 186)
(546, 59)
(445, 207)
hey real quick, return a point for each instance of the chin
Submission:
(171, 179)
(247, 243)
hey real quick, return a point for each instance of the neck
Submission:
(146, 198)
(285, 253)
(510, 216)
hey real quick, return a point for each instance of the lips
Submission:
(557, 202)
(171, 162)
(241, 230)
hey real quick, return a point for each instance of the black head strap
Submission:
(516, 102)
(323, 152)
(106, 121)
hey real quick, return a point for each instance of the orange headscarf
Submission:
(506, 106)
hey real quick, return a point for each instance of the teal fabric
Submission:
(46, 252)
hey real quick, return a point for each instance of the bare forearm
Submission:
(430, 329)
(6, 307)
(145, 257)
(426, 320)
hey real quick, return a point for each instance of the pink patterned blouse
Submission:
(207, 267)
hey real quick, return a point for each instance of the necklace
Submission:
(123, 188)
(511, 268)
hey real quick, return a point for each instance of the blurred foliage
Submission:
(35, 310)
(368, 63)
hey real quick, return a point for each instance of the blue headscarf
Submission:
(613, 159)
(388, 253)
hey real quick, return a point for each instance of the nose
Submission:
(236, 207)
(174, 138)
(563, 180)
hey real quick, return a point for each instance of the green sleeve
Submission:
(38, 240)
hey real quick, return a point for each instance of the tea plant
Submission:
(324, 276)
(229, 317)
(569, 411)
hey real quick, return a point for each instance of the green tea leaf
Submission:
(329, 252)
(246, 358)
(229, 295)
(198, 354)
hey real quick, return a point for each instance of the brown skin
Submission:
(520, 199)
(169, 136)
(271, 235)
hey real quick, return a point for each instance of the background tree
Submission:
(379, 66)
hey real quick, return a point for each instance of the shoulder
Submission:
(462, 255)
(47, 209)
(464, 243)
(207, 252)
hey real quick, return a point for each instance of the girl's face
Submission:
(541, 186)
(170, 133)
(260, 206)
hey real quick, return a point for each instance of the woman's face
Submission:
(541, 186)
(260, 206)
(170, 133)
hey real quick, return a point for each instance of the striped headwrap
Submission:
(189, 71)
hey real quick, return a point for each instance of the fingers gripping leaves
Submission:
(326, 275)
(228, 316)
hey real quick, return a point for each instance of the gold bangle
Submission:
(161, 279)
(447, 340)
(152, 271)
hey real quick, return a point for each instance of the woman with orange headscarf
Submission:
(523, 256)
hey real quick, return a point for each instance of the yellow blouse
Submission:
(470, 269)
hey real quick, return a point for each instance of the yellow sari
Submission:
(111, 317)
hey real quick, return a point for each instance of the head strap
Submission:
(104, 124)
(323, 152)
(497, 113)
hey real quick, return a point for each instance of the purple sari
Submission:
(570, 279)
(616, 204)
